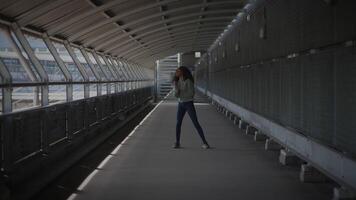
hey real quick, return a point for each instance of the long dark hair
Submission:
(186, 73)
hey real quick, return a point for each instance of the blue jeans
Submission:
(184, 107)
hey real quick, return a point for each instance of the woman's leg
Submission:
(193, 116)
(180, 114)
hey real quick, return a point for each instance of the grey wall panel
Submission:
(291, 93)
(282, 28)
(344, 20)
(345, 93)
(318, 96)
(316, 20)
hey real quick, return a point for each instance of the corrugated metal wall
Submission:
(301, 72)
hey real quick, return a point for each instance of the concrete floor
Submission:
(146, 167)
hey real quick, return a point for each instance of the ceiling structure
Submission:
(141, 31)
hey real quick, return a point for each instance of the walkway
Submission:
(146, 167)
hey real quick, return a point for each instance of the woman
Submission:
(184, 91)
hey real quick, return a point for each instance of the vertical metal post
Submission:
(37, 65)
(179, 60)
(7, 91)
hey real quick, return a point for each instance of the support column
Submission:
(250, 130)
(236, 120)
(242, 125)
(227, 113)
(286, 157)
(232, 116)
(6, 91)
(259, 136)
(309, 174)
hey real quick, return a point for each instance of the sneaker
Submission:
(176, 146)
(205, 146)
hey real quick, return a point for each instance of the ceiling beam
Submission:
(202, 10)
(115, 18)
(163, 8)
(158, 39)
(37, 13)
(119, 26)
(113, 43)
(147, 18)
(182, 40)
(81, 16)
(208, 40)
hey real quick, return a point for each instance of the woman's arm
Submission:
(190, 90)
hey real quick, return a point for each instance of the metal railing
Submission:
(32, 138)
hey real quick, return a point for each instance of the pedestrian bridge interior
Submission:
(275, 85)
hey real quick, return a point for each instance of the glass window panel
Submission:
(120, 87)
(105, 68)
(26, 56)
(11, 59)
(68, 61)
(121, 72)
(93, 90)
(104, 89)
(114, 61)
(85, 64)
(125, 86)
(114, 67)
(78, 92)
(96, 66)
(101, 60)
(57, 94)
(112, 91)
(45, 57)
(25, 97)
(109, 61)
